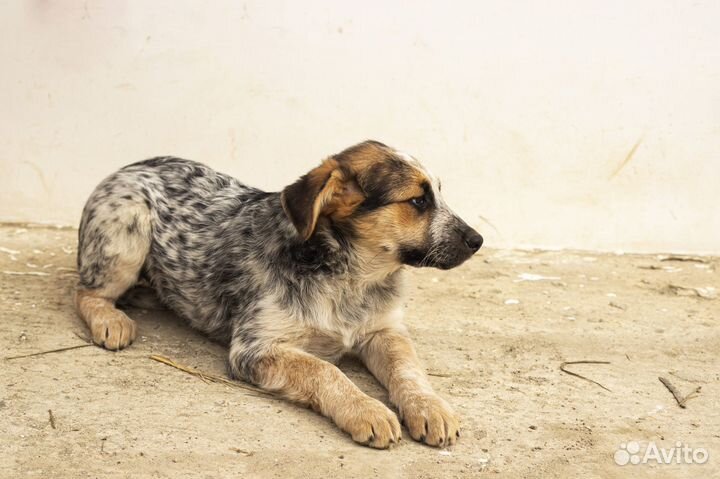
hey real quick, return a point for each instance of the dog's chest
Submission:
(332, 330)
(334, 326)
(325, 344)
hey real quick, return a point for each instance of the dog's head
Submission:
(387, 202)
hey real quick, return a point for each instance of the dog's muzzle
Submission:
(454, 248)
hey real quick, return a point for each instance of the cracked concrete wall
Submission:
(563, 124)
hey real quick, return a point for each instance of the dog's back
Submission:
(176, 217)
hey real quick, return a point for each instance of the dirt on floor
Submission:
(492, 334)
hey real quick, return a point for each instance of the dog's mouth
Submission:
(457, 246)
(447, 257)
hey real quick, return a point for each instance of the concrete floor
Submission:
(492, 334)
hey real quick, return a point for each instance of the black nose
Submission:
(473, 240)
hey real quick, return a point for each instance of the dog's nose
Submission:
(473, 240)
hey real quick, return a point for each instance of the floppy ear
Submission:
(327, 190)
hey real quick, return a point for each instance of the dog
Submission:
(290, 281)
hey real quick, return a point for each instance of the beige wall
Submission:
(527, 110)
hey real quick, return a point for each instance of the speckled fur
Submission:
(290, 281)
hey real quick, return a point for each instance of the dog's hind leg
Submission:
(141, 296)
(115, 237)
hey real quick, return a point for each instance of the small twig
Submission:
(676, 394)
(59, 350)
(705, 293)
(566, 363)
(693, 394)
(439, 375)
(26, 273)
(691, 259)
(242, 451)
(209, 377)
(52, 419)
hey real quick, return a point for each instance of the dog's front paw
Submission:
(430, 419)
(370, 423)
(113, 330)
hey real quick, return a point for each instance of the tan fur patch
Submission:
(308, 380)
(390, 356)
(109, 327)
(324, 191)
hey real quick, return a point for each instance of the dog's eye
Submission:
(419, 202)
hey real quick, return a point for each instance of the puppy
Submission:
(290, 281)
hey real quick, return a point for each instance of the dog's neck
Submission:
(332, 251)
(375, 265)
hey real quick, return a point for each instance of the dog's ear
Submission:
(328, 190)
